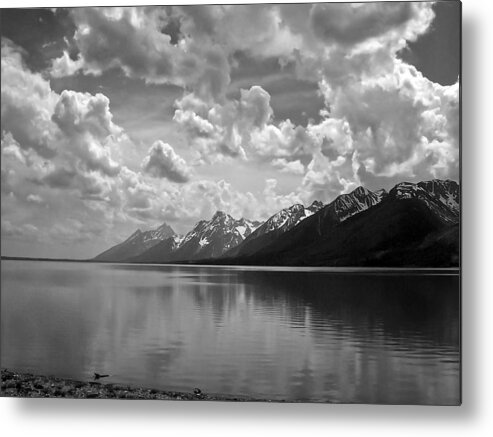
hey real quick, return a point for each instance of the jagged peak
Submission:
(447, 181)
(316, 204)
(135, 234)
(439, 182)
(360, 191)
(405, 189)
(432, 187)
(405, 184)
(295, 207)
(219, 214)
(245, 221)
(164, 225)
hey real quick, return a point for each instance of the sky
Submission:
(114, 119)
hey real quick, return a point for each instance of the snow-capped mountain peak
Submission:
(276, 225)
(360, 199)
(315, 206)
(209, 239)
(441, 196)
(287, 218)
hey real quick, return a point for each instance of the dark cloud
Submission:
(173, 30)
(60, 178)
(117, 42)
(200, 19)
(40, 32)
(349, 23)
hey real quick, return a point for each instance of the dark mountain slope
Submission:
(409, 227)
(322, 223)
(160, 253)
(361, 240)
(273, 228)
(136, 244)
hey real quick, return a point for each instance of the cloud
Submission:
(196, 55)
(399, 119)
(86, 124)
(123, 37)
(381, 114)
(132, 39)
(240, 129)
(162, 162)
(25, 231)
(188, 203)
(60, 178)
(34, 198)
(255, 107)
(77, 113)
(27, 103)
(285, 166)
(273, 202)
(65, 66)
(352, 23)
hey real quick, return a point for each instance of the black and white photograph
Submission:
(232, 202)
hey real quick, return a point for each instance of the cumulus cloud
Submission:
(27, 103)
(25, 231)
(241, 129)
(77, 113)
(122, 37)
(34, 198)
(133, 40)
(162, 162)
(255, 107)
(196, 55)
(373, 104)
(85, 122)
(276, 201)
(381, 113)
(65, 66)
(399, 119)
(294, 167)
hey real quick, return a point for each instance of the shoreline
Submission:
(27, 385)
(448, 270)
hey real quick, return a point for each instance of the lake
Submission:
(325, 335)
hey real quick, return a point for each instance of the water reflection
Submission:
(266, 333)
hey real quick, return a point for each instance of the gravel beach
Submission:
(26, 385)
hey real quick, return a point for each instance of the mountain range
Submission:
(412, 225)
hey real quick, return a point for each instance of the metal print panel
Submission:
(232, 202)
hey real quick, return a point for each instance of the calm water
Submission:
(297, 335)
